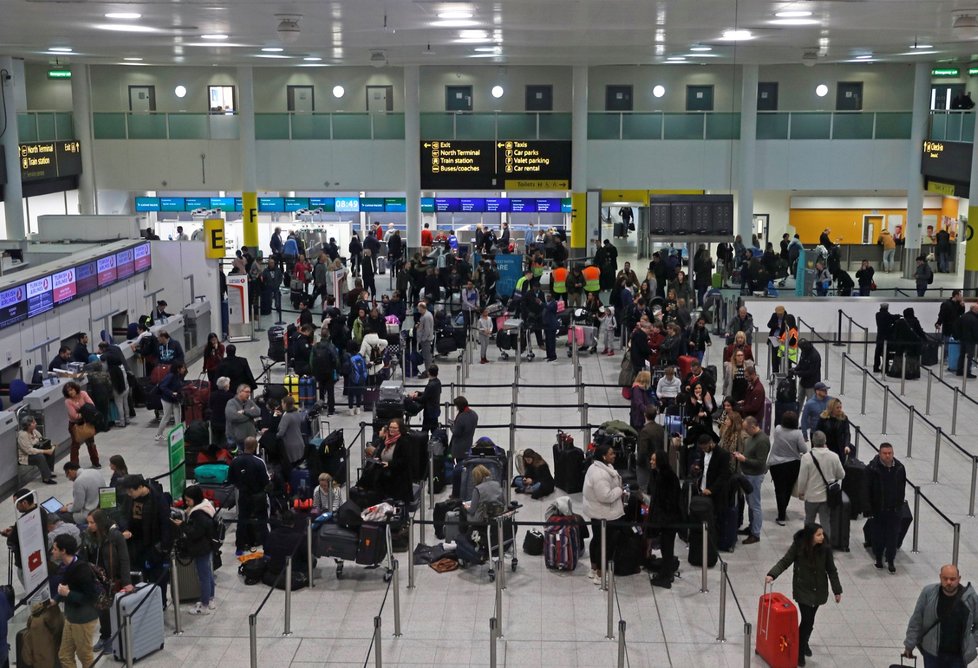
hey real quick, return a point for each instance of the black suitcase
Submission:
(894, 370)
(619, 230)
(628, 552)
(856, 487)
(701, 510)
(373, 544)
(446, 345)
(276, 351)
(727, 532)
(388, 410)
(151, 398)
(265, 303)
(929, 352)
(418, 446)
(906, 519)
(334, 541)
(839, 519)
(569, 469)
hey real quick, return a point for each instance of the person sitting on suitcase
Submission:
(77, 592)
(887, 485)
(487, 495)
(328, 495)
(814, 569)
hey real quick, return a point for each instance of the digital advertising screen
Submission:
(372, 204)
(40, 297)
(347, 204)
(106, 271)
(147, 204)
(141, 258)
(63, 286)
(86, 279)
(124, 267)
(13, 306)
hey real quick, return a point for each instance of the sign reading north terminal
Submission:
(50, 160)
(457, 164)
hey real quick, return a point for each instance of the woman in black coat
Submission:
(835, 425)
(356, 250)
(394, 457)
(537, 481)
(640, 349)
(664, 514)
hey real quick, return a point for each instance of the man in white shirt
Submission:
(819, 468)
(668, 387)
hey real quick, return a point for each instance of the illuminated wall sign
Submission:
(124, 264)
(142, 259)
(86, 279)
(106, 271)
(372, 204)
(395, 204)
(347, 204)
(945, 72)
(483, 165)
(13, 306)
(40, 298)
(946, 161)
(64, 286)
(534, 165)
(972, 71)
(296, 203)
(147, 204)
(49, 160)
(59, 74)
(448, 165)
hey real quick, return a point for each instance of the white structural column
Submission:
(13, 192)
(249, 155)
(81, 109)
(915, 186)
(579, 237)
(748, 149)
(412, 154)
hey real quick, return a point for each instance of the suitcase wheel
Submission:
(339, 570)
(492, 576)
(513, 565)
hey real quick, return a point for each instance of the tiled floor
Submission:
(560, 619)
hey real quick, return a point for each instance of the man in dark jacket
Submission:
(237, 369)
(809, 367)
(550, 327)
(463, 429)
(887, 481)
(271, 284)
(80, 353)
(640, 349)
(147, 528)
(430, 400)
(249, 475)
(752, 405)
(742, 322)
(947, 317)
(651, 437)
(967, 333)
(884, 330)
(77, 592)
(301, 360)
(715, 472)
(943, 251)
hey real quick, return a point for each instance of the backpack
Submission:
(324, 358)
(103, 588)
(358, 370)
(787, 391)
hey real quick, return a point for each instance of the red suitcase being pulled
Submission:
(777, 630)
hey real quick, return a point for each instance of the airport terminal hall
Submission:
(364, 333)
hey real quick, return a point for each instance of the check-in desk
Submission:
(196, 317)
(8, 446)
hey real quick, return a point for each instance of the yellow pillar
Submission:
(578, 237)
(249, 210)
(971, 240)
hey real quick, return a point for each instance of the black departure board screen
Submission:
(448, 165)
(13, 306)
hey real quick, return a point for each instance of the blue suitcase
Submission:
(307, 392)
(953, 354)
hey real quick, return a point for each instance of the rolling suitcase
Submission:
(265, 302)
(701, 510)
(387, 410)
(147, 622)
(381, 264)
(777, 630)
(291, 383)
(222, 495)
(391, 390)
(906, 519)
(453, 525)
(568, 468)
(629, 552)
(334, 541)
(188, 581)
(953, 354)
(727, 531)
(929, 350)
(839, 519)
(856, 487)
(560, 543)
(307, 392)
(372, 546)
(767, 425)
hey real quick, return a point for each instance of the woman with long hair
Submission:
(664, 514)
(814, 569)
(640, 399)
(105, 546)
(537, 481)
(834, 423)
(604, 499)
(787, 447)
(213, 354)
(732, 437)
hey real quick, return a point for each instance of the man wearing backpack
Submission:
(147, 528)
(325, 363)
(923, 275)
(355, 378)
(79, 594)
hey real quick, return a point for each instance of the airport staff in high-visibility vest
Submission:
(524, 281)
(536, 266)
(592, 278)
(559, 281)
(789, 341)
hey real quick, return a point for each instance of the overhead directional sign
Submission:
(510, 164)
(50, 160)
(534, 165)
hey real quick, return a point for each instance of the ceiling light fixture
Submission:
(217, 37)
(132, 16)
(793, 22)
(922, 46)
(125, 27)
(821, 90)
(288, 27)
(272, 49)
(312, 59)
(736, 35)
(472, 34)
(497, 91)
(338, 91)
(133, 59)
(676, 59)
(180, 91)
(453, 23)
(700, 47)
(455, 15)
(489, 49)
(793, 14)
(865, 56)
(658, 90)
(61, 49)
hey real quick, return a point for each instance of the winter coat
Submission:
(922, 623)
(198, 530)
(603, 492)
(811, 575)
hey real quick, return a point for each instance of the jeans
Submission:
(921, 289)
(942, 661)
(327, 393)
(354, 397)
(205, 573)
(784, 477)
(122, 402)
(820, 508)
(943, 261)
(277, 303)
(76, 640)
(754, 504)
(886, 534)
(806, 625)
(170, 409)
(888, 259)
(522, 487)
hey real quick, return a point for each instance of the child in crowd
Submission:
(606, 329)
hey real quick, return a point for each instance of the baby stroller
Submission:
(479, 543)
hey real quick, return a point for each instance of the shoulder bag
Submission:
(833, 490)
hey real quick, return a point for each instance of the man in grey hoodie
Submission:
(240, 415)
(944, 623)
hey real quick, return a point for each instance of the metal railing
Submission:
(821, 339)
(726, 584)
(848, 342)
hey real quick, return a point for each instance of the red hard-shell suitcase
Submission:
(777, 630)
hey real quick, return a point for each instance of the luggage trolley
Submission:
(369, 545)
(480, 543)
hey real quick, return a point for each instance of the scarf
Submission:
(390, 441)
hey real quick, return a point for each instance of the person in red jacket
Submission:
(426, 237)
(752, 405)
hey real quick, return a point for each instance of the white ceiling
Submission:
(527, 32)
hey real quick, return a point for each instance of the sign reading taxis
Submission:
(534, 165)
(50, 160)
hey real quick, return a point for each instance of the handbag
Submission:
(833, 490)
(84, 432)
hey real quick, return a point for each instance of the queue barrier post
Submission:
(842, 376)
(611, 600)
(287, 631)
(309, 559)
(862, 408)
(916, 514)
(253, 639)
(378, 659)
(704, 586)
(174, 594)
(912, 413)
(396, 586)
(954, 412)
(721, 632)
(621, 643)
(604, 553)
(747, 644)
(492, 642)
(974, 484)
(937, 452)
(930, 380)
(886, 406)
(903, 374)
(410, 524)
(957, 543)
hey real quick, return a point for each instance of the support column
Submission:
(249, 172)
(579, 210)
(912, 230)
(412, 154)
(748, 149)
(967, 235)
(81, 109)
(13, 193)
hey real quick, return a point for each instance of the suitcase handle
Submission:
(767, 621)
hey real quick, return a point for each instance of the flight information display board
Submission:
(147, 204)
(64, 286)
(346, 204)
(296, 203)
(124, 267)
(13, 306)
(194, 203)
(86, 279)
(274, 204)
(484, 165)
(171, 204)
(372, 204)
(40, 298)
(327, 204)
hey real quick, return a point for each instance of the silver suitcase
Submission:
(391, 390)
(147, 622)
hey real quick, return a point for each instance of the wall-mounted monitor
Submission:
(142, 257)
(147, 204)
(296, 203)
(171, 204)
(372, 204)
(64, 286)
(395, 204)
(106, 271)
(327, 204)
(222, 203)
(194, 203)
(86, 278)
(271, 204)
(124, 266)
(13, 306)
(40, 298)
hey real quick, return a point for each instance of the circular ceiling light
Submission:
(455, 15)
(180, 91)
(338, 91)
(497, 91)
(701, 47)
(658, 90)
(132, 16)
(793, 14)
(272, 49)
(821, 90)
(736, 35)
(61, 49)
(217, 37)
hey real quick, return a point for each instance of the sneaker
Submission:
(100, 645)
(780, 523)
(158, 437)
(197, 610)
(890, 567)
(212, 605)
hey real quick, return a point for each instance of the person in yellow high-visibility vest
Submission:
(789, 342)
(592, 278)
(523, 282)
(536, 266)
(559, 282)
